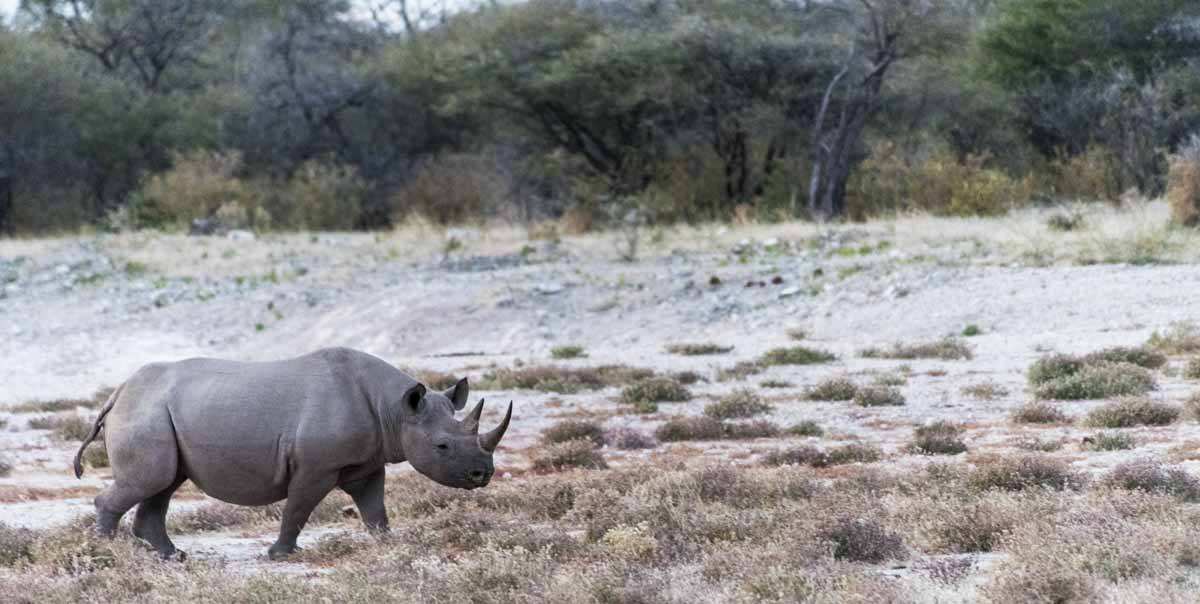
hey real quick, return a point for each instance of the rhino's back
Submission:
(239, 424)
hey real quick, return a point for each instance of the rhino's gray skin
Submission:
(256, 433)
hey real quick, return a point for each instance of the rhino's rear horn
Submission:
(488, 442)
(471, 421)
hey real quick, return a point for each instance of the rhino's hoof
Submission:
(282, 553)
(174, 556)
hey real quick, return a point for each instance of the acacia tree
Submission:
(879, 34)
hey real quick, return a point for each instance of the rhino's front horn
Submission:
(488, 442)
(471, 421)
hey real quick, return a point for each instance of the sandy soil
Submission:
(79, 313)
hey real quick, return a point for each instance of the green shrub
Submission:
(748, 430)
(655, 389)
(1137, 355)
(1053, 367)
(16, 545)
(567, 352)
(938, 438)
(698, 349)
(775, 384)
(1133, 411)
(832, 389)
(322, 196)
(796, 355)
(1109, 441)
(571, 454)
(1097, 381)
(878, 396)
(1039, 413)
(197, 185)
(805, 428)
(971, 331)
(738, 404)
(985, 391)
(690, 428)
(1191, 371)
(573, 429)
(1023, 472)
(947, 349)
(1065, 222)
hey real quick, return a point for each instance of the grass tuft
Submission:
(568, 351)
(1039, 413)
(938, 438)
(878, 396)
(832, 389)
(739, 404)
(946, 349)
(1133, 411)
(985, 391)
(655, 390)
(699, 349)
(796, 355)
(805, 428)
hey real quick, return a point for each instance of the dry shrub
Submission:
(53, 405)
(580, 453)
(634, 543)
(331, 548)
(985, 391)
(1053, 367)
(878, 396)
(946, 521)
(864, 540)
(805, 428)
(1141, 356)
(708, 428)
(748, 430)
(1109, 441)
(1039, 413)
(1183, 184)
(1182, 337)
(739, 371)
(946, 349)
(1096, 381)
(1086, 176)
(562, 380)
(832, 389)
(451, 189)
(1022, 472)
(6, 466)
(938, 438)
(196, 186)
(573, 429)
(655, 390)
(322, 196)
(698, 349)
(795, 355)
(64, 426)
(16, 545)
(1191, 370)
(1064, 222)
(1191, 406)
(738, 404)
(1133, 411)
(1150, 476)
(835, 456)
(629, 438)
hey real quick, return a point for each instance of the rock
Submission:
(789, 292)
(240, 235)
(549, 288)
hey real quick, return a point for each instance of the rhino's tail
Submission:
(96, 427)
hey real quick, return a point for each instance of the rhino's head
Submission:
(449, 451)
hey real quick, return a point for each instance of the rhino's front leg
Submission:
(305, 491)
(367, 493)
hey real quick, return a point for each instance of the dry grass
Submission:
(708, 428)
(1039, 413)
(1182, 337)
(832, 389)
(1141, 356)
(54, 405)
(817, 458)
(1183, 188)
(1191, 370)
(796, 355)
(946, 349)
(562, 380)
(878, 396)
(699, 349)
(739, 404)
(1150, 476)
(938, 438)
(1024, 472)
(1133, 411)
(65, 427)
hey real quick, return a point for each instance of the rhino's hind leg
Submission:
(150, 523)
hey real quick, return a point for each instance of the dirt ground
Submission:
(83, 312)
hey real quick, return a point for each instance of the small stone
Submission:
(789, 292)
(549, 289)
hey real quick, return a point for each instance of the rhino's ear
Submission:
(414, 399)
(458, 394)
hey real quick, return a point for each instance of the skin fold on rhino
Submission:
(257, 433)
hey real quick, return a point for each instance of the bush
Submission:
(878, 396)
(1137, 355)
(832, 389)
(776, 384)
(747, 430)
(805, 428)
(796, 355)
(740, 371)
(1053, 367)
(1133, 411)
(1097, 381)
(452, 189)
(1180, 338)
(571, 454)
(655, 390)
(1039, 413)
(1104, 441)
(563, 380)
(863, 540)
(985, 391)
(196, 186)
(1191, 371)
(571, 429)
(738, 404)
(16, 545)
(567, 352)
(1019, 473)
(1191, 406)
(698, 349)
(948, 349)
(939, 438)
(707, 428)
(52, 406)
(1149, 476)
(629, 438)
(6, 467)
(322, 196)
(1183, 184)
(812, 456)
(1064, 222)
